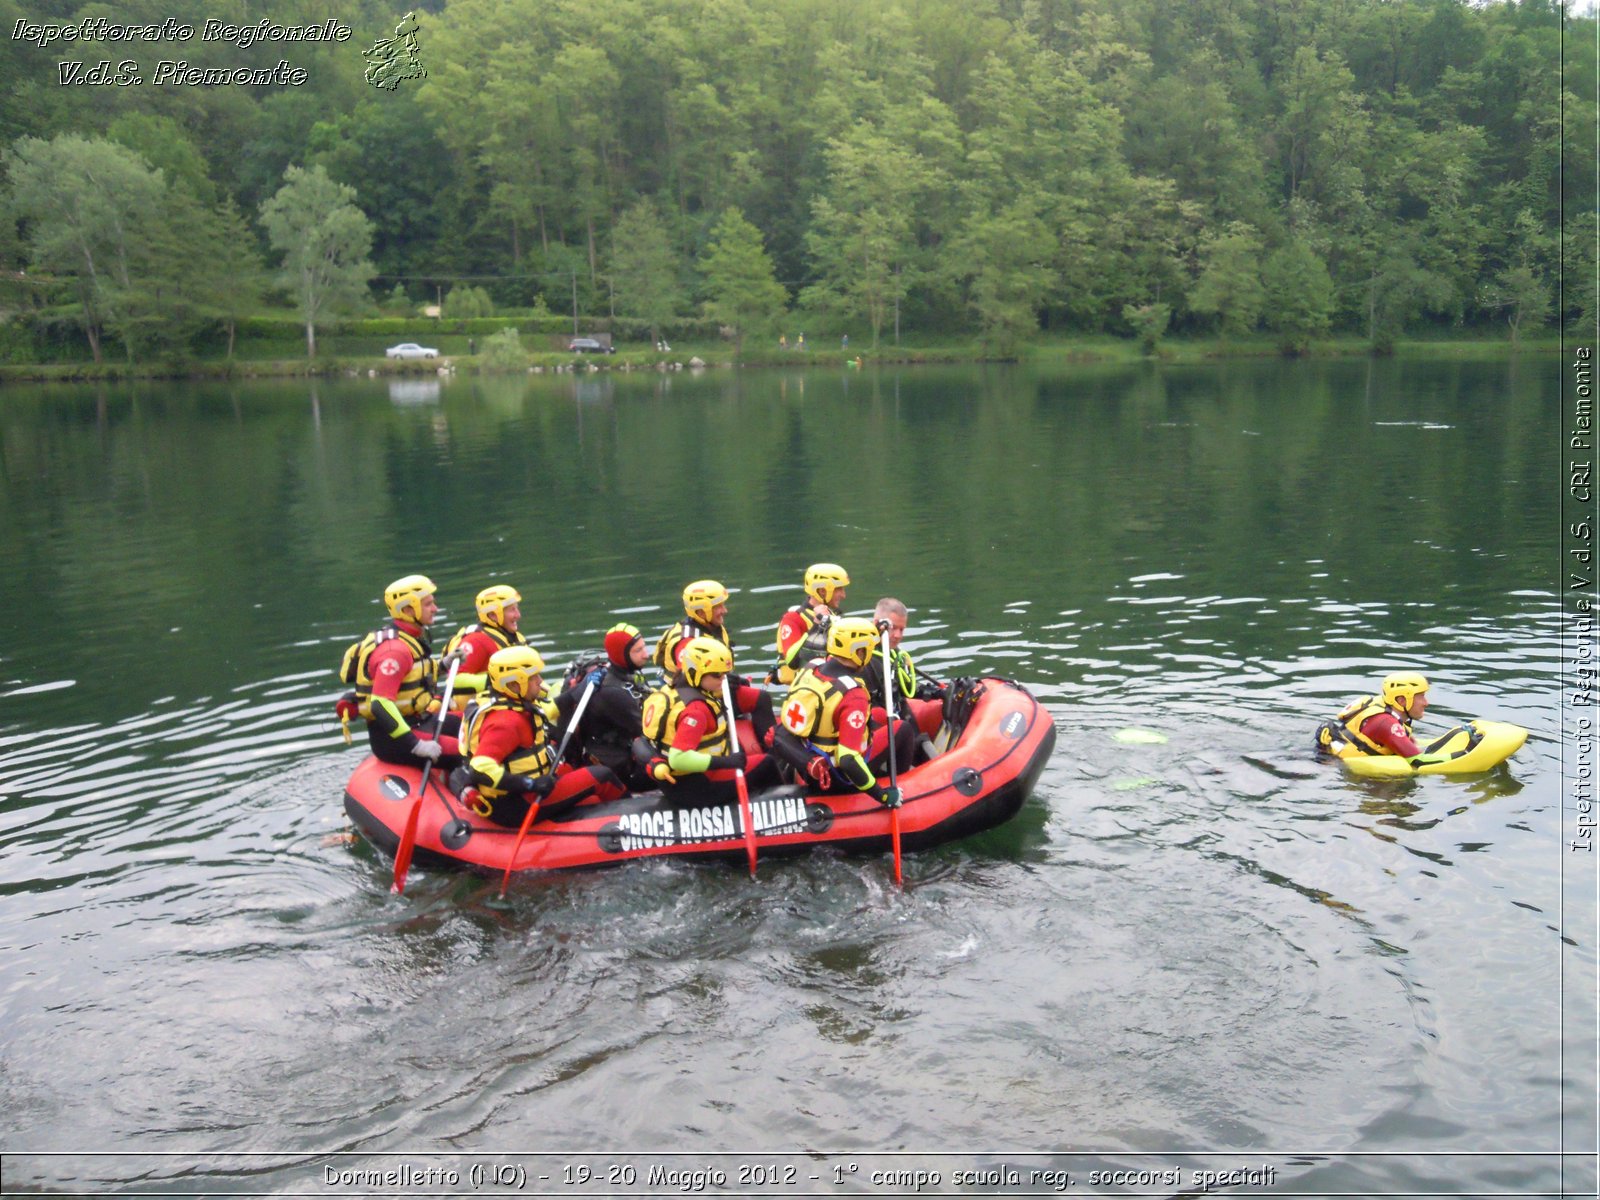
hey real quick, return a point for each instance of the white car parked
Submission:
(410, 350)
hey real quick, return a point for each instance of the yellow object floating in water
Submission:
(1475, 746)
(1140, 737)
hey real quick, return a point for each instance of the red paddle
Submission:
(893, 797)
(738, 775)
(533, 808)
(408, 838)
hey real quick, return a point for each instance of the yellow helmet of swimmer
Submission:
(1402, 687)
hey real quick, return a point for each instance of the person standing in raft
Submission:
(499, 612)
(705, 605)
(917, 698)
(510, 758)
(394, 676)
(803, 629)
(1380, 724)
(824, 730)
(695, 754)
(613, 717)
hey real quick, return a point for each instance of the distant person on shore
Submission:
(783, 341)
(1380, 724)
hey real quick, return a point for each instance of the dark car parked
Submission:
(589, 346)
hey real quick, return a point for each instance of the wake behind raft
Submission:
(994, 757)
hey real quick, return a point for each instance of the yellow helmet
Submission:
(512, 672)
(701, 597)
(492, 602)
(823, 580)
(404, 596)
(852, 639)
(704, 656)
(1402, 687)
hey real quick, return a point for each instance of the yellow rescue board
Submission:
(1475, 746)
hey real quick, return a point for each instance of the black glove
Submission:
(889, 797)
(543, 785)
(927, 689)
(728, 762)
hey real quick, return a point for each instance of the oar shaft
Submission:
(408, 836)
(894, 782)
(738, 776)
(533, 807)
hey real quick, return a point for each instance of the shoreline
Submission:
(1079, 351)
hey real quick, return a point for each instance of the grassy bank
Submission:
(1047, 350)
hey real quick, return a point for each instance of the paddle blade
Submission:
(749, 824)
(894, 838)
(738, 775)
(533, 812)
(408, 843)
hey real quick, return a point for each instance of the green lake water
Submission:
(1204, 951)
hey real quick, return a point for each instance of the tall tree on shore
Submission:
(644, 269)
(90, 207)
(324, 239)
(237, 278)
(1230, 279)
(740, 290)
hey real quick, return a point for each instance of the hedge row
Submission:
(421, 327)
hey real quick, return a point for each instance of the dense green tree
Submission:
(1004, 259)
(739, 288)
(90, 208)
(645, 270)
(1229, 285)
(1298, 293)
(324, 239)
(464, 302)
(871, 142)
(237, 282)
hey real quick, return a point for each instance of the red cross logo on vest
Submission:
(794, 716)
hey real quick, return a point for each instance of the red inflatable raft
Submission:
(996, 754)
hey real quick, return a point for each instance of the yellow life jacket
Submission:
(463, 693)
(665, 706)
(500, 637)
(813, 645)
(1342, 736)
(810, 711)
(537, 759)
(415, 696)
(674, 635)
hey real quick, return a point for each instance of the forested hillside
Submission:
(1125, 166)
